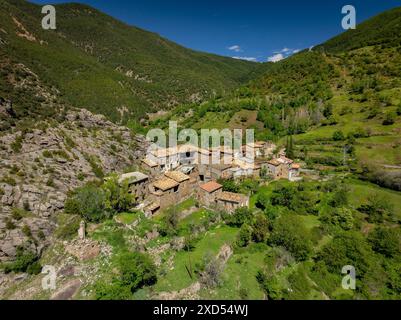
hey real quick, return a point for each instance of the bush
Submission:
(260, 229)
(290, 233)
(347, 248)
(117, 196)
(385, 241)
(389, 119)
(378, 209)
(244, 237)
(89, 202)
(136, 270)
(239, 217)
(17, 214)
(26, 261)
(338, 136)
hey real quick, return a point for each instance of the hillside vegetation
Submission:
(106, 66)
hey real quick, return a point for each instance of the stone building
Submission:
(277, 170)
(150, 166)
(164, 192)
(294, 172)
(137, 183)
(185, 183)
(230, 202)
(208, 193)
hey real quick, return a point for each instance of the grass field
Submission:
(210, 244)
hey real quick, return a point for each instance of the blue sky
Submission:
(253, 29)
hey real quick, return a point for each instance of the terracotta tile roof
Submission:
(165, 184)
(296, 166)
(177, 176)
(211, 186)
(231, 197)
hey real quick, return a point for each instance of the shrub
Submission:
(385, 241)
(378, 209)
(136, 270)
(68, 230)
(338, 136)
(245, 236)
(117, 196)
(389, 119)
(290, 233)
(260, 229)
(239, 217)
(89, 202)
(16, 146)
(26, 261)
(347, 248)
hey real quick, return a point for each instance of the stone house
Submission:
(221, 171)
(165, 159)
(230, 202)
(294, 172)
(208, 193)
(150, 166)
(185, 184)
(164, 192)
(277, 170)
(137, 183)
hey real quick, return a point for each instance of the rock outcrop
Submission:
(40, 165)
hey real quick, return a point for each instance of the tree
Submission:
(260, 229)
(244, 237)
(377, 209)
(290, 233)
(136, 270)
(347, 248)
(290, 147)
(270, 285)
(328, 110)
(340, 197)
(338, 136)
(239, 217)
(385, 241)
(340, 217)
(117, 195)
(89, 202)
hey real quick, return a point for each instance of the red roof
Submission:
(211, 186)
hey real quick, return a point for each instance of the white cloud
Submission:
(235, 48)
(246, 58)
(276, 58)
(285, 50)
(296, 50)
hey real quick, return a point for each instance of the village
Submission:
(172, 175)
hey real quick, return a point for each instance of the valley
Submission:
(80, 191)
